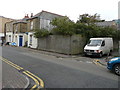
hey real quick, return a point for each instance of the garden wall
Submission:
(62, 44)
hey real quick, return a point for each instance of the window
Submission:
(7, 27)
(41, 23)
(16, 28)
(45, 23)
(103, 43)
(30, 39)
(9, 38)
(15, 38)
(94, 42)
(48, 23)
(31, 25)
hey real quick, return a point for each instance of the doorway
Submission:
(20, 40)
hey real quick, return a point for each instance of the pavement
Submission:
(58, 55)
(103, 61)
(11, 78)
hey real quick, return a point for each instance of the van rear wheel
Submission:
(110, 53)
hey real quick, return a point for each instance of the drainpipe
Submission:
(5, 32)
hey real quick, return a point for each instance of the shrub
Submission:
(63, 26)
(41, 33)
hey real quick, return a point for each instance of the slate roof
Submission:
(38, 14)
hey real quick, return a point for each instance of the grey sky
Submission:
(108, 9)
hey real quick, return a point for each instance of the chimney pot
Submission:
(31, 14)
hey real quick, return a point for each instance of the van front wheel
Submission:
(100, 55)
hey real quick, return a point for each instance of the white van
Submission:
(99, 46)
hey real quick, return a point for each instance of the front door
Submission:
(20, 40)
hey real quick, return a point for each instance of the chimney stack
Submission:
(31, 14)
(26, 16)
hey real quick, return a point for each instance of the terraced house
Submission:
(3, 20)
(16, 32)
(39, 21)
(20, 36)
(9, 31)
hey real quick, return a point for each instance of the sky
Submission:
(16, 9)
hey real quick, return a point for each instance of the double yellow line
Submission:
(96, 61)
(38, 81)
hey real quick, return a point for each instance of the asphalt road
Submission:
(62, 72)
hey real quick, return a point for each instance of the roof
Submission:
(100, 38)
(20, 21)
(47, 12)
(38, 14)
(6, 17)
(106, 23)
(11, 21)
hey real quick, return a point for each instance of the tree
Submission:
(63, 26)
(116, 34)
(88, 19)
(41, 33)
(107, 31)
(86, 26)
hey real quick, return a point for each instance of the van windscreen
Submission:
(94, 43)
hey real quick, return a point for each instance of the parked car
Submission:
(99, 46)
(114, 65)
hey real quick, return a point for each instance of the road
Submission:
(61, 72)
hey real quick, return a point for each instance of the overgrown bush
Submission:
(63, 26)
(41, 33)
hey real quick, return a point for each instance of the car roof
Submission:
(117, 57)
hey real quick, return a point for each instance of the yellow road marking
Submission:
(96, 61)
(29, 74)
(11, 65)
(37, 83)
(99, 63)
(41, 81)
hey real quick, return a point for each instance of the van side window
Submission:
(103, 43)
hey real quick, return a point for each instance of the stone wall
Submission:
(115, 44)
(62, 44)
